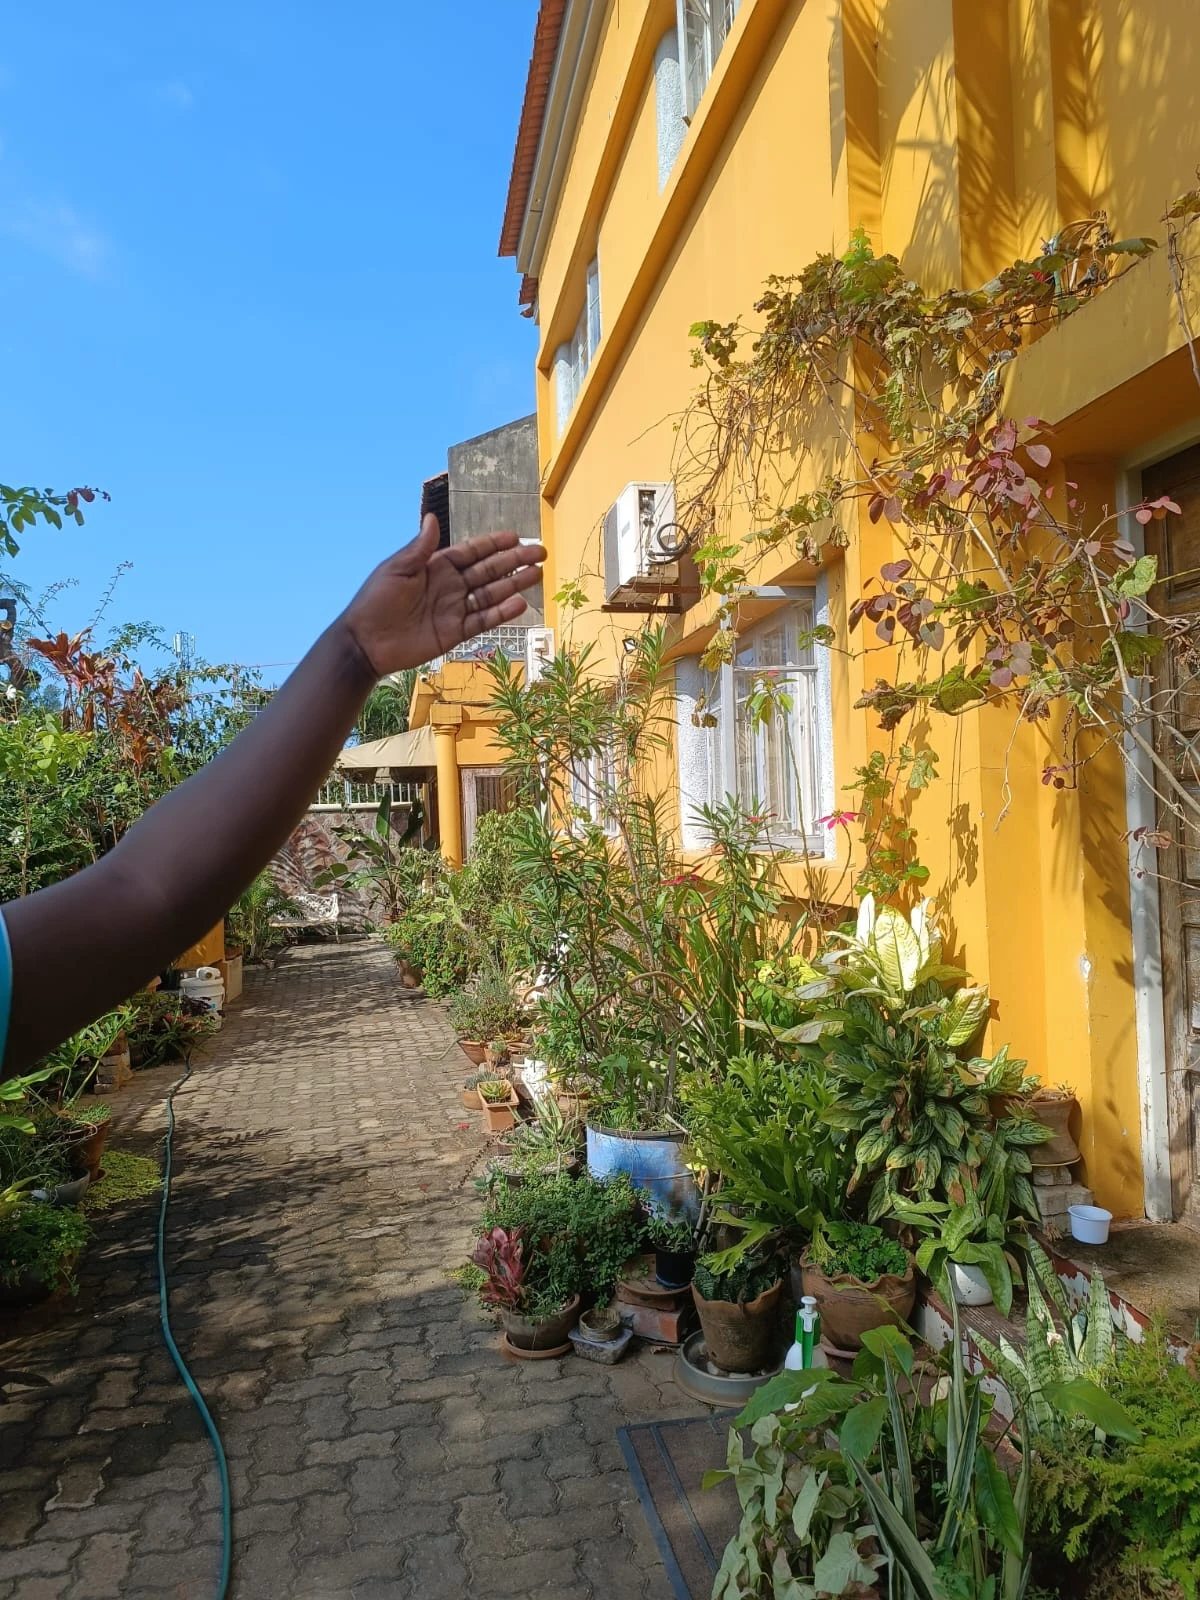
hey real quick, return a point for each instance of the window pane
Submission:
(593, 308)
(776, 759)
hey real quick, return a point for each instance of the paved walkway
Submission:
(379, 1443)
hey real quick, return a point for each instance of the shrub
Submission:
(579, 1232)
(42, 1242)
(857, 1248)
(488, 1010)
(1129, 1511)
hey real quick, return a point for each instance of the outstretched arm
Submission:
(87, 943)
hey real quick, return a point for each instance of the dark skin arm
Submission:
(82, 946)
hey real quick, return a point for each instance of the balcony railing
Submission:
(346, 794)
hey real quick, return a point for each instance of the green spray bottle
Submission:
(806, 1353)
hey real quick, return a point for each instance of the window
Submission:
(703, 28)
(573, 358)
(593, 786)
(758, 729)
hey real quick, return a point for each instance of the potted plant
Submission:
(972, 1251)
(94, 1123)
(1055, 1106)
(602, 1324)
(579, 1233)
(39, 1247)
(487, 1011)
(860, 1278)
(674, 1241)
(499, 1103)
(739, 1311)
(470, 1089)
(544, 1147)
(536, 1318)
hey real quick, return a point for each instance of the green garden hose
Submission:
(164, 1317)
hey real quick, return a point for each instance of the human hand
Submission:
(423, 601)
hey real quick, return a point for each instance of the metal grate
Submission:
(508, 641)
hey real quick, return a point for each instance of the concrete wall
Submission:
(494, 487)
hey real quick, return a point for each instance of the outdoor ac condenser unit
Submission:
(539, 653)
(632, 528)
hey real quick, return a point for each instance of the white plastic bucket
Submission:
(1089, 1224)
(205, 985)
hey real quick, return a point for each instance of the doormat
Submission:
(691, 1526)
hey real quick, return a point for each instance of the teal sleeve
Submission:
(5, 985)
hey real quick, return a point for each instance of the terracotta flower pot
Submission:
(740, 1337)
(87, 1149)
(572, 1105)
(500, 1113)
(546, 1335)
(1055, 1112)
(849, 1307)
(471, 1100)
(474, 1050)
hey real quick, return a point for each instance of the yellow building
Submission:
(671, 155)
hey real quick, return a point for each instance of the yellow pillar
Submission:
(449, 793)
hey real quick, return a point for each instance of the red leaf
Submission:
(875, 508)
(1039, 454)
(1144, 515)
(895, 570)
(892, 509)
(886, 629)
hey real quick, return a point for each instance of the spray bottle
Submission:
(806, 1352)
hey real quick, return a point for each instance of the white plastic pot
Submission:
(970, 1286)
(205, 985)
(1089, 1224)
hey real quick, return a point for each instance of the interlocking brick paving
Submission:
(379, 1443)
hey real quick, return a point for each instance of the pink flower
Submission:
(682, 878)
(837, 819)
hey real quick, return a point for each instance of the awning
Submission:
(413, 751)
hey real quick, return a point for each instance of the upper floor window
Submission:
(759, 729)
(573, 358)
(703, 28)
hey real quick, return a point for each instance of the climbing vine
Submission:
(1003, 588)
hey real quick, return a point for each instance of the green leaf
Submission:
(889, 1343)
(964, 1014)
(841, 1566)
(831, 1397)
(994, 1502)
(862, 1426)
(806, 1502)
(1136, 579)
(1079, 1397)
(898, 1539)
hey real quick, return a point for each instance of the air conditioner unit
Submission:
(639, 535)
(539, 653)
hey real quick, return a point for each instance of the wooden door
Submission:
(1176, 543)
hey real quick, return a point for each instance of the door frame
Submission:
(1161, 1197)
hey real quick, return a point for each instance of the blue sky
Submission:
(249, 286)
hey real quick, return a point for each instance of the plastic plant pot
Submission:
(970, 1286)
(1089, 1224)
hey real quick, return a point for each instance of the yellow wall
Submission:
(959, 134)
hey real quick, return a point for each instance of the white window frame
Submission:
(574, 357)
(593, 777)
(802, 675)
(703, 28)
